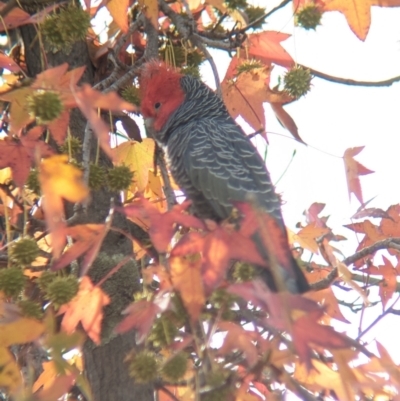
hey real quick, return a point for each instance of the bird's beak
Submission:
(149, 122)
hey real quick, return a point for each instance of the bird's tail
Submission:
(282, 272)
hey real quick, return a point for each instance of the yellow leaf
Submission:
(5, 175)
(10, 376)
(62, 179)
(139, 157)
(21, 331)
(47, 377)
(307, 235)
(19, 115)
(186, 278)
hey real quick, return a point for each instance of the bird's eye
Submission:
(157, 105)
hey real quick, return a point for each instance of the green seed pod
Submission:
(144, 367)
(33, 181)
(30, 309)
(45, 106)
(297, 81)
(61, 290)
(175, 368)
(309, 17)
(24, 251)
(119, 178)
(12, 281)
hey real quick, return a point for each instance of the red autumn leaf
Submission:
(237, 338)
(8, 63)
(286, 120)
(306, 331)
(327, 299)
(218, 248)
(16, 17)
(88, 100)
(140, 316)
(266, 46)
(58, 127)
(85, 308)
(353, 172)
(371, 212)
(312, 214)
(389, 273)
(186, 279)
(87, 240)
(161, 224)
(278, 305)
(19, 153)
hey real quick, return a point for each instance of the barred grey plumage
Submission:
(213, 161)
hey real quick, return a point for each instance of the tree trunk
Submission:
(105, 367)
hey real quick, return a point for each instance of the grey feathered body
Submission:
(215, 164)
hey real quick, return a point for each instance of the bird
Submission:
(210, 157)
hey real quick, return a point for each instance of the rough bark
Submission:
(105, 367)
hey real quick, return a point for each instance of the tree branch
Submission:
(352, 82)
(389, 243)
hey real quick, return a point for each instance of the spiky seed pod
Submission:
(309, 16)
(119, 178)
(52, 33)
(45, 106)
(144, 367)
(297, 81)
(65, 28)
(32, 181)
(233, 4)
(249, 65)
(163, 331)
(61, 290)
(97, 176)
(12, 281)
(30, 309)
(72, 144)
(176, 367)
(24, 251)
(45, 279)
(243, 272)
(131, 94)
(254, 13)
(191, 70)
(178, 56)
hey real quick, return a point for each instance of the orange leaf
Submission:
(86, 308)
(47, 377)
(88, 239)
(58, 127)
(353, 171)
(388, 285)
(246, 96)
(59, 387)
(19, 154)
(358, 12)
(59, 180)
(237, 338)
(186, 278)
(306, 237)
(119, 11)
(266, 47)
(286, 120)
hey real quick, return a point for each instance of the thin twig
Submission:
(266, 15)
(384, 244)
(197, 41)
(352, 82)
